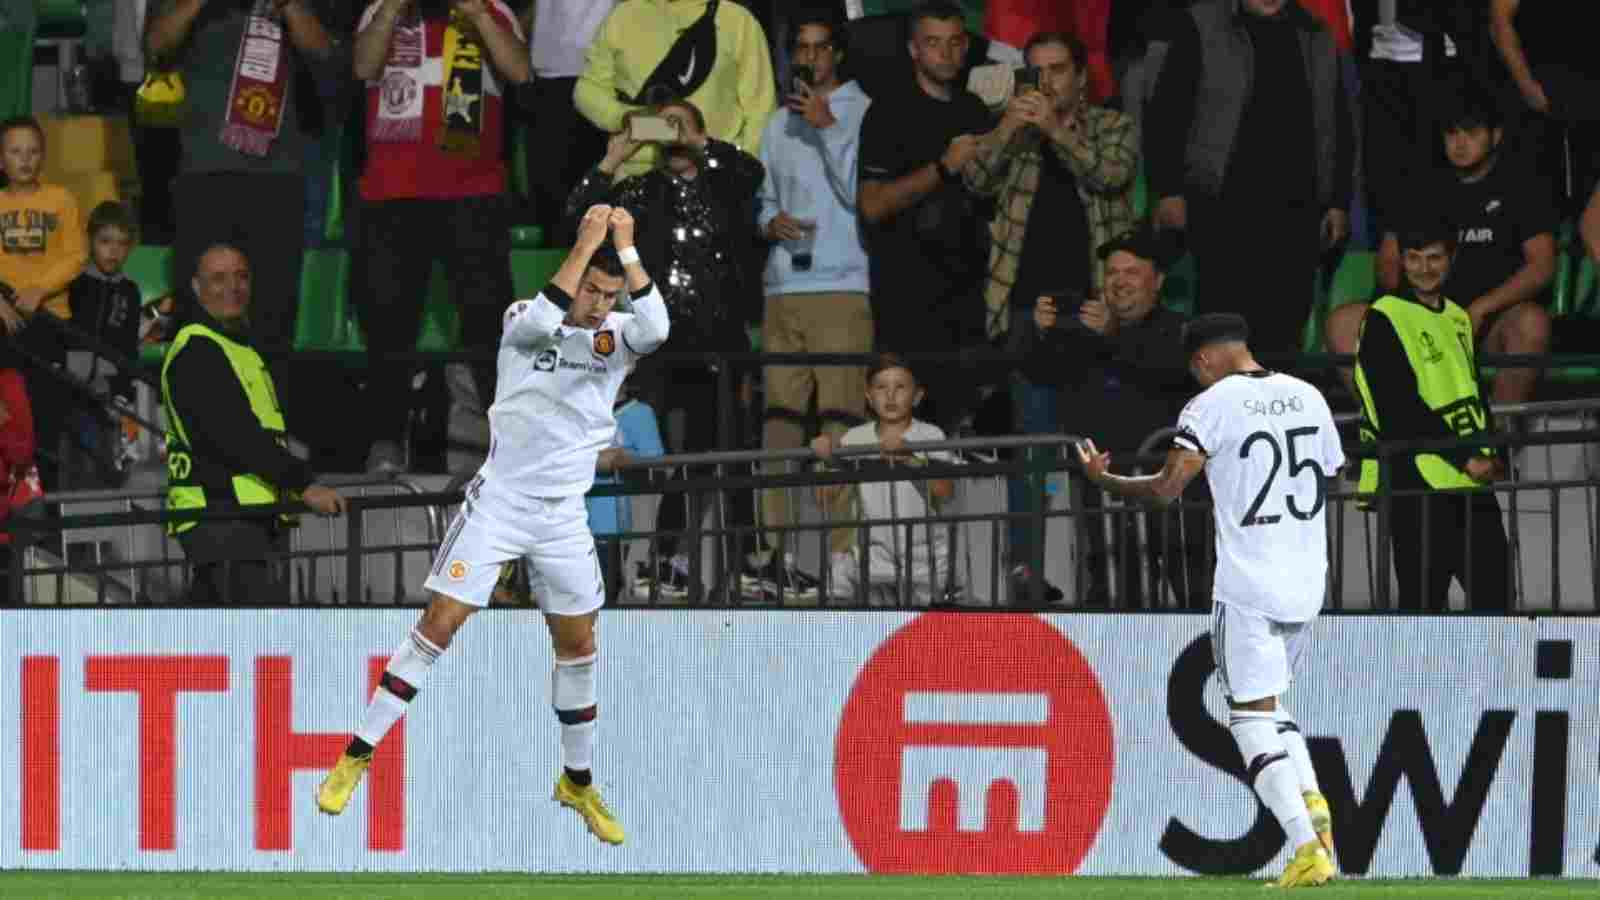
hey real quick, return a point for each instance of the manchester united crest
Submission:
(605, 343)
(257, 106)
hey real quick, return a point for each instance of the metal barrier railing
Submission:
(358, 559)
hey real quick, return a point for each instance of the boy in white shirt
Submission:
(926, 563)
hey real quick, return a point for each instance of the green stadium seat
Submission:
(323, 321)
(1141, 195)
(531, 270)
(1355, 281)
(1181, 287)
(150, 267)
(526, 237)
(16, 71)
(441, 320)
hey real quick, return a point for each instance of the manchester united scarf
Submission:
(259, 90)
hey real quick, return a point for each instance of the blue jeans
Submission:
(1034, 410)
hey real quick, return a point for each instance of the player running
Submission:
(1268, 444)
(559, 374)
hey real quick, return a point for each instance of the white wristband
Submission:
(628, 255)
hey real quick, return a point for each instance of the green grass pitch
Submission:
(224, 886)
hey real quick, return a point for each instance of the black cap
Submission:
(1143, 242)
(1214, 328)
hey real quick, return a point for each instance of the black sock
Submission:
(580, 777)
(358, 747)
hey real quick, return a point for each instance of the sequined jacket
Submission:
(696, 239)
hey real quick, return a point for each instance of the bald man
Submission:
(226, 444)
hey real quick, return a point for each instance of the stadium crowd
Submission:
(1063, 181)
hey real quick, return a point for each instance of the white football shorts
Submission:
(552, 533)
(1256, 656)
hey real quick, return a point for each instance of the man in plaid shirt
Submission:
(1063, 172)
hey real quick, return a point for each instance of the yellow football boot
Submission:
(1310, 867)
(586, 802)
(334, 794)
(1321, 819)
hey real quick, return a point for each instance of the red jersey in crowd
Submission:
(416, 165)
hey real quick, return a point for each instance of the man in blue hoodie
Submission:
(816, 278)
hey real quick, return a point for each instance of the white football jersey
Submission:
(1270, 445)
(552, 412)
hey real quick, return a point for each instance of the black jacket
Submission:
(226, 438)
(695, 239)
(1116, 390)
(106, 311)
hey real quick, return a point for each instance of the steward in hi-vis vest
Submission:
(1417, 379)
(226, 444)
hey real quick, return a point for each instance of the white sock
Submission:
(572, 693)
(1270, 772)
(406, 674)
(1295, 743)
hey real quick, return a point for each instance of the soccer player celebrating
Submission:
(559, 374)
(1268, 445)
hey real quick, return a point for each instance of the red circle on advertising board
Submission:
(974, 743)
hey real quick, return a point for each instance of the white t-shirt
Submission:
(901, 499)
(1270, 445)
(562, 33)
(552, 412)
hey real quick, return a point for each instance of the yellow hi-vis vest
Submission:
(186, 488)
(1438, 346)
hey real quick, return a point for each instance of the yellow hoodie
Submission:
(737, 99)
(43, 245)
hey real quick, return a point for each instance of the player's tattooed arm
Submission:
(1163, 487)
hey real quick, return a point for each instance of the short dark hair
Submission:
(1075, 48)
(939, 10)
(15, 122)
(110, 214)
(606, 260)
(824, 17)
(883, 362)
(1214, 328)
(1420, 234)
(1468, 108)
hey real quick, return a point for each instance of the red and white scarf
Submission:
(400, 92)
(260, 88)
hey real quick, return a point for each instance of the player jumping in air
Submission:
(1268, 445)
(559, 374)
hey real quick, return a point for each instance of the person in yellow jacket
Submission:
(43, 247)
(712, 53)
(226, 444)
(1418, 380)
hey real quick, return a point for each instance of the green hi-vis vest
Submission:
(1447, 380)
(189, 479)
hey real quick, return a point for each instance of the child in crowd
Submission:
(638, 436)
(893, 394)
(42, 249)
(105, 306)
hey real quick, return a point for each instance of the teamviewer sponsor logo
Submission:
(974, 743)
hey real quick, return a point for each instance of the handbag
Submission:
(161, 100)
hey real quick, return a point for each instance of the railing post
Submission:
(352, 552)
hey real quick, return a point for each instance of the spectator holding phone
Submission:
(694, 212)
(817, 274)
(926, 231)
(1117, 361)
(1062, 171)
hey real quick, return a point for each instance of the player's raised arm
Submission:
(536, 324)
(1181, 467)
(648, 328)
